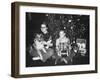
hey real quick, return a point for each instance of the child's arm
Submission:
(57, 47)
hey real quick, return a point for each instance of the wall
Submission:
(5, 40)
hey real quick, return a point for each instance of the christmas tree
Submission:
(75, 26)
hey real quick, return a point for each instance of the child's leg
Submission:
(65, 60)
(44, 50)
(40, 55)
(36, 58)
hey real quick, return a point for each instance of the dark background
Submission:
(76, 26)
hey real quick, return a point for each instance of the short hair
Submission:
(62, 31)
(43, 25)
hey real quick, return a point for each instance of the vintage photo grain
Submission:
(57, 39)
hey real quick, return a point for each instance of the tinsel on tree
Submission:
(75, 26)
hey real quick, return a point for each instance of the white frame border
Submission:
(54, 69)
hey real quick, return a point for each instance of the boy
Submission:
(63, 46)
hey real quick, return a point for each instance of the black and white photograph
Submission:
(51, 39)
(56, 39)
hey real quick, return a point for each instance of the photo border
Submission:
(15, 69)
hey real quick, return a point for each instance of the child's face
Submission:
(43, 28)
(62, 34)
